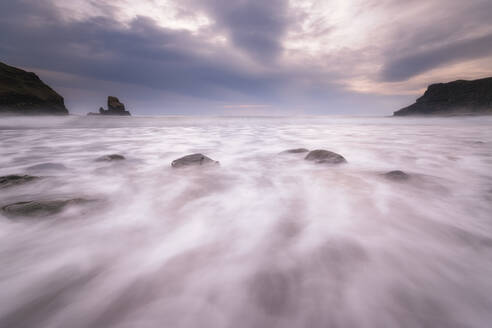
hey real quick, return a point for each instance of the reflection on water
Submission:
(263, 240)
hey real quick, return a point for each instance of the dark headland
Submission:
(454, 98)
(23, 93)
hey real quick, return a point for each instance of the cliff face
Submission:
(23, 93)
(453, 98)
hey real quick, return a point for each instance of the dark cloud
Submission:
(152, 65)
(257, 27)
(439, 33)
(142, 53)
(405, 67)
(36, 35)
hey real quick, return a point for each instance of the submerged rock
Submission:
(14, 180)
(40, 208)
(321, 156)
(274, 291)
(295, 151)
(193, 160)
(47, 167)
(23, 93)
(110, 158)
(396, 175)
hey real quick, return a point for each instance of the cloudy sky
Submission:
(247, 57)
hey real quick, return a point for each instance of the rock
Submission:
(321, 156)
(396, 175)
(454, 98)
(23, 93)
(47, 167)
(13, 180)
(115, 107)
(110, 158)
(193, 160)
(295, 151)
(40, 208)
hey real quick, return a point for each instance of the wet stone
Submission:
(40, 208)
(295, 151)
(321, 156)
(14, 180)
(193, 160)
(47, 167)
(396, 175)
(110, 158)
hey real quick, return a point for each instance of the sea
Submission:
(264, 239)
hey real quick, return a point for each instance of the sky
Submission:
(247, 57)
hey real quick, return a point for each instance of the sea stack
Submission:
(454, 98)
(23, 93)
(115, 107)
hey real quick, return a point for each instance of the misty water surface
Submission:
(263, 240)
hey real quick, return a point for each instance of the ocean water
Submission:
(263, 240)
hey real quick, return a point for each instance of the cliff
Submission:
(23, 93)
(454, 98)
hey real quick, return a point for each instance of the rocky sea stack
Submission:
(23, 93)
(454, 98)
(115, 107)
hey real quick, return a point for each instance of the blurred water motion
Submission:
(263, 240)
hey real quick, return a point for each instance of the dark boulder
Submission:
(193, 160)
(454, 98)
(321, 156)
(40, 208)
(110, 158)
(115, 107)
(295, 151)
(23, 93)
(396, 175)
(14, 180)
